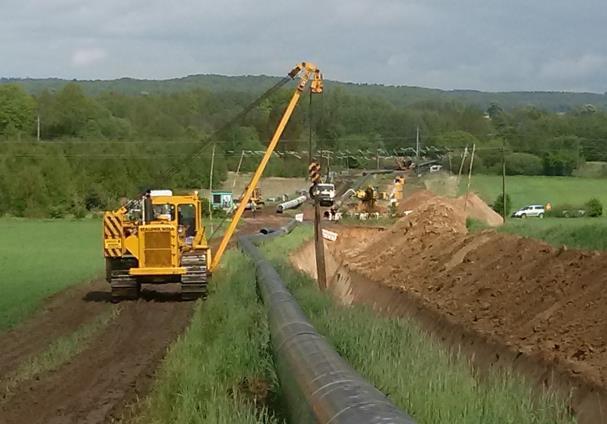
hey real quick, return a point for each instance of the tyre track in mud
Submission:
(112, 372)
(61, 314)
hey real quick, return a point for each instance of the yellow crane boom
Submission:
(307, 72)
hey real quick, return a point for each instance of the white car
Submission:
(528, 211)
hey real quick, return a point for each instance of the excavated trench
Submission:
(587, 401)
(503, 301)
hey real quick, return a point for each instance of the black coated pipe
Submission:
(288, 227)
(319, 386)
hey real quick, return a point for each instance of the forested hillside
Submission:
(96, 148)
(397, 95)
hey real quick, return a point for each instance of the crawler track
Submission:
(194, 282)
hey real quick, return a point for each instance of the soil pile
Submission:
(475, 208)
(537, 299)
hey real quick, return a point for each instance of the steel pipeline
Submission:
(319, 386)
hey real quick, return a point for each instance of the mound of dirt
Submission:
(475, 207)
(537, 299)
(434, 223)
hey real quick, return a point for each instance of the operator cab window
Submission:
(164, 212)
(187, 217)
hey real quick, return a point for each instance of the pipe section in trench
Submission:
(318, 385)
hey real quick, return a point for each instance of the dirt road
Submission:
(111, 372)
(115, 368)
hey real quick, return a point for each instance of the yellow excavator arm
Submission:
(308, 73)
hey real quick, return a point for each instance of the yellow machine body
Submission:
(157, 245)
(152, 249)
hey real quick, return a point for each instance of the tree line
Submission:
(93, 150)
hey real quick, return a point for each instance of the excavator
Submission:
(256, 201)
(367, 197)
(161, 238)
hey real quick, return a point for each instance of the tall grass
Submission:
(220, 370)
(579, 233)
(41, 257)
(417, 373)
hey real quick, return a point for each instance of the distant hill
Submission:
(398, 95)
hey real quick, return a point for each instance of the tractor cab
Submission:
(183, 213)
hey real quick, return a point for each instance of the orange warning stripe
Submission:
(112, 253)
(112, 225)
(112, 230)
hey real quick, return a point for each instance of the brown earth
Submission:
(534, 300)
(535, 297)
(470, 207)
(101, 383)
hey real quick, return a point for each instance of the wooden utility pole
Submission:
(461, 165)
(238, 170)
(417, 146)
(504, 201)
(314, 172)
(38, 128)
(211, 188)
(469, 176)
(319, 246)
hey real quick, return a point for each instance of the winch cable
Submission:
(212, 137)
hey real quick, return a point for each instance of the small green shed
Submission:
(222, 200)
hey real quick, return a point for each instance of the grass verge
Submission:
(41, 257)
(578, 233)
(417, 373)
(220, 370)
(59, 352)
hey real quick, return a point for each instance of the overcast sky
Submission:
(478, 44)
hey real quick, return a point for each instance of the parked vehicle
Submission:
(530, 211)
(327, 194)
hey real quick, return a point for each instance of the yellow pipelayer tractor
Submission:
(160, 238)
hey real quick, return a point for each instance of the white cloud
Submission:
(488, 45)
(88, 56)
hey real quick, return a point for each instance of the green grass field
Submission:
(41, 257)
(579, 233)
(220, 370)
(525, 190)
(417, 373)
